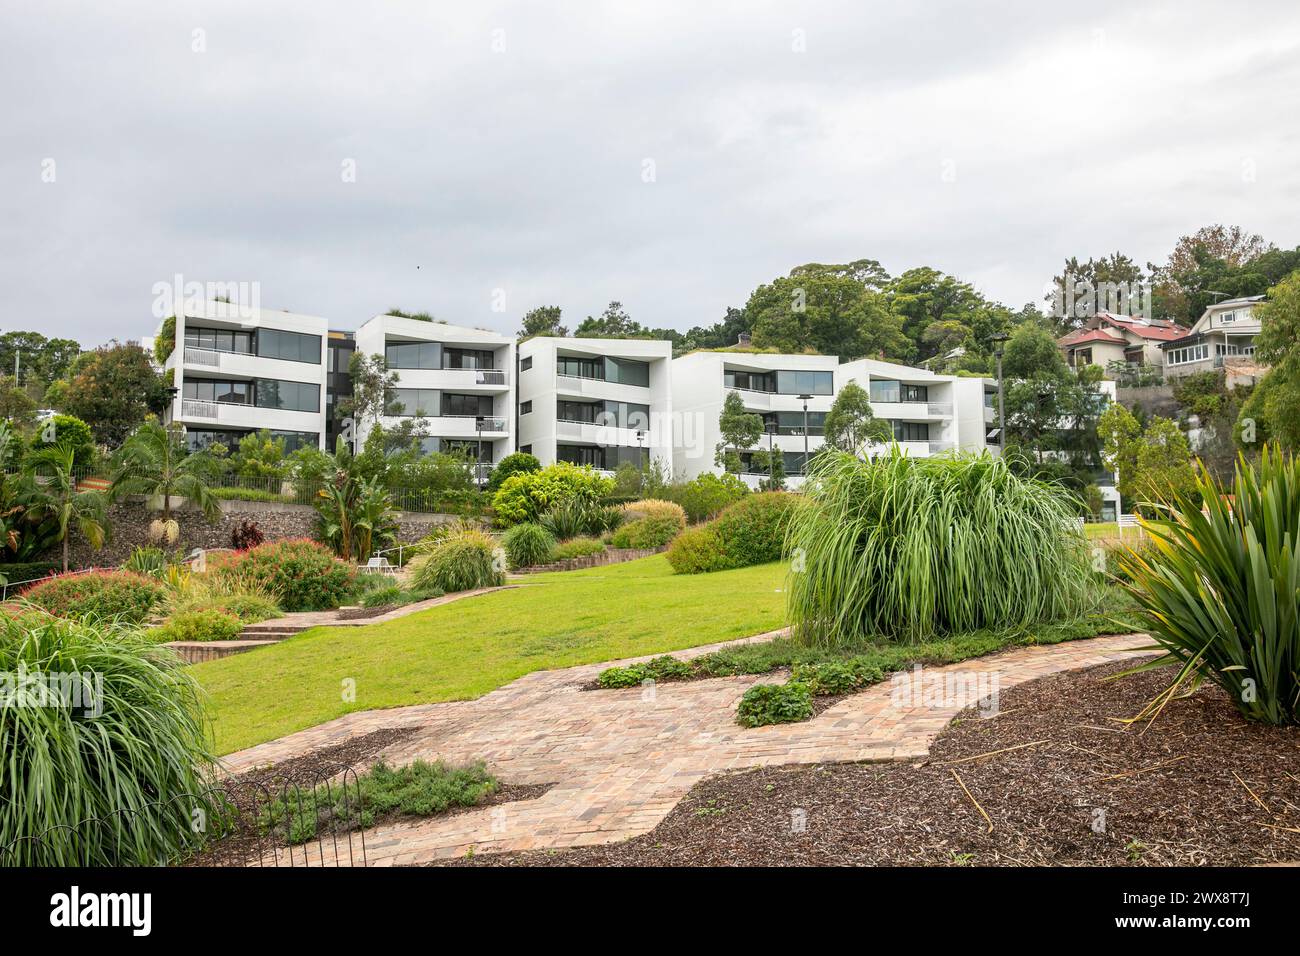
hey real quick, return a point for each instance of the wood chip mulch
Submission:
(1055, 779)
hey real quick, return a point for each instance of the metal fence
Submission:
(314, 819)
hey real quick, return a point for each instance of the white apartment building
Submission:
(930, 414)
(458, 382)
(237, 369)
(772, 386)
(598, 402)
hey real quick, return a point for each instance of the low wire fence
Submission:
(315, 817)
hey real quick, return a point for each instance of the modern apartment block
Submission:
(792, 394)
(1222, 338)
(929, 414)
(459, 382)
(598, 402)
(237, 370)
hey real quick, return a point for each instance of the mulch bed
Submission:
(1199, 786)
(251, 791)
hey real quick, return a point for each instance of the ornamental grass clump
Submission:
(462, 560)
(112, 766)
(1221, 587)
(908, 549)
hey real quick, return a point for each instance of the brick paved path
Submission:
(621, 759)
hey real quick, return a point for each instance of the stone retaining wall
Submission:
(608, 556)
(129, 528)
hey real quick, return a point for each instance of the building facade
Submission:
(598, 402)
(455, 385)
(1222, 338)
(1119, 342)
(237, 370)
(772, 386)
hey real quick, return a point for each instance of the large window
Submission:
(887, 390)
(791, 423)
(604, 458)
(627, 372)
(466, 406)
(610, 413)
(911, 431)
(619, 370)
(288, 346)
(289, 396)
(1190, 353)
(223, 340)
(805, 383)
(218, 390)
(575, 366)
(413, 355)
(466, 358)
(411, 402)
(749, 381)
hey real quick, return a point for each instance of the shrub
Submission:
(648, 532)
(908, 548)
(654, 508)
(148, 561)
(835, 677)
(460, 561)
(774, 704)
(524, 496)
(229, 591)
(519, 462)
(247, 535)
(752, 531)
(305, 575)
(576, 548)
(706, 495)
(1220, 589)
(698, 551)
(390, 594)
(568, 519)
(527, 544)
(122, 596)
(662, 668)
(209, 624)
(418, 789)
(116, 789)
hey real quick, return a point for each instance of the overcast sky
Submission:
(508, 147)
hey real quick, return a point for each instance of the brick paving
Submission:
(620, 760)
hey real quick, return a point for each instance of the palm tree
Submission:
(154, 462)
(50, 490)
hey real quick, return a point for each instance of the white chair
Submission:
(1127, 521)
(380, 565)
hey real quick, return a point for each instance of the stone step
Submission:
(195, 652)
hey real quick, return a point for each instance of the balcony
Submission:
(592, 433)
(913, 411)
(578, 387)
(240, 415)
(456, 426)
(483, 380)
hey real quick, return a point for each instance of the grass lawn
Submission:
(470, 647)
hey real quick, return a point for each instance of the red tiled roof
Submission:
(1143, 330)
(1079, 336)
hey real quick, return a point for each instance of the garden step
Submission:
(194, 652)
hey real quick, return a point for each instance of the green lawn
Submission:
(470, 647)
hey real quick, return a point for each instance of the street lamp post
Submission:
(478, 463)
(998, 340)
(770, 428)
(640, 457)
(805, 399)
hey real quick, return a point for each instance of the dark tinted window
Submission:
(288, 346)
